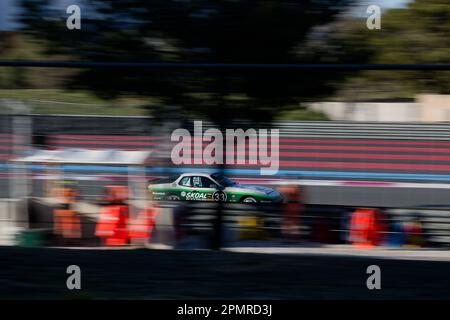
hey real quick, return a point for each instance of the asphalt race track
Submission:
(377, 197)
(325, 195)
(167, 274)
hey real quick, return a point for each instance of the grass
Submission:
(58, 101)
(303, 114)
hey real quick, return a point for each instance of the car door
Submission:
(213, 190)
(185, 187)
(202, 189)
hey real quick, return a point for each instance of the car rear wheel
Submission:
(249, 200)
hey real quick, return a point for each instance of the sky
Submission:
(6, 12)
(391, 3)
(360, 10)
(8, 9)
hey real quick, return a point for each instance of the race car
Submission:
(211, 187)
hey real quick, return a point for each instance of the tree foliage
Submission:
(416, 34)
(224, 31)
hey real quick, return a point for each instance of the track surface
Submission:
(153, 274)
(346, 196)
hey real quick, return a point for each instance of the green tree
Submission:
(418, 33)
(226, 31)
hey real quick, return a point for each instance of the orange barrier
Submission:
(292, 208)
(366, 228)
(141, 227)
(67, 223)
(112, 225)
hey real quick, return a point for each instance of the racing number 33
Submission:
(220, 196)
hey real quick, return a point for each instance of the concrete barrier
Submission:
(13, 218)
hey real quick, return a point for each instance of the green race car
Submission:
(211, 187)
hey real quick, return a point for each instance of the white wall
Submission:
(434, 107)
(368, 111)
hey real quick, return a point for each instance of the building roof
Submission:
(86, 156)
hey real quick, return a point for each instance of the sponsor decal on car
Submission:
(196, 196)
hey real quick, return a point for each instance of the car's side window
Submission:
(208, 183)
(197, 182)
(186, 181)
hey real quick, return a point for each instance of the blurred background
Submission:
(364, 155)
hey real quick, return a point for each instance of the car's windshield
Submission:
(224, 181)
(164, 180)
